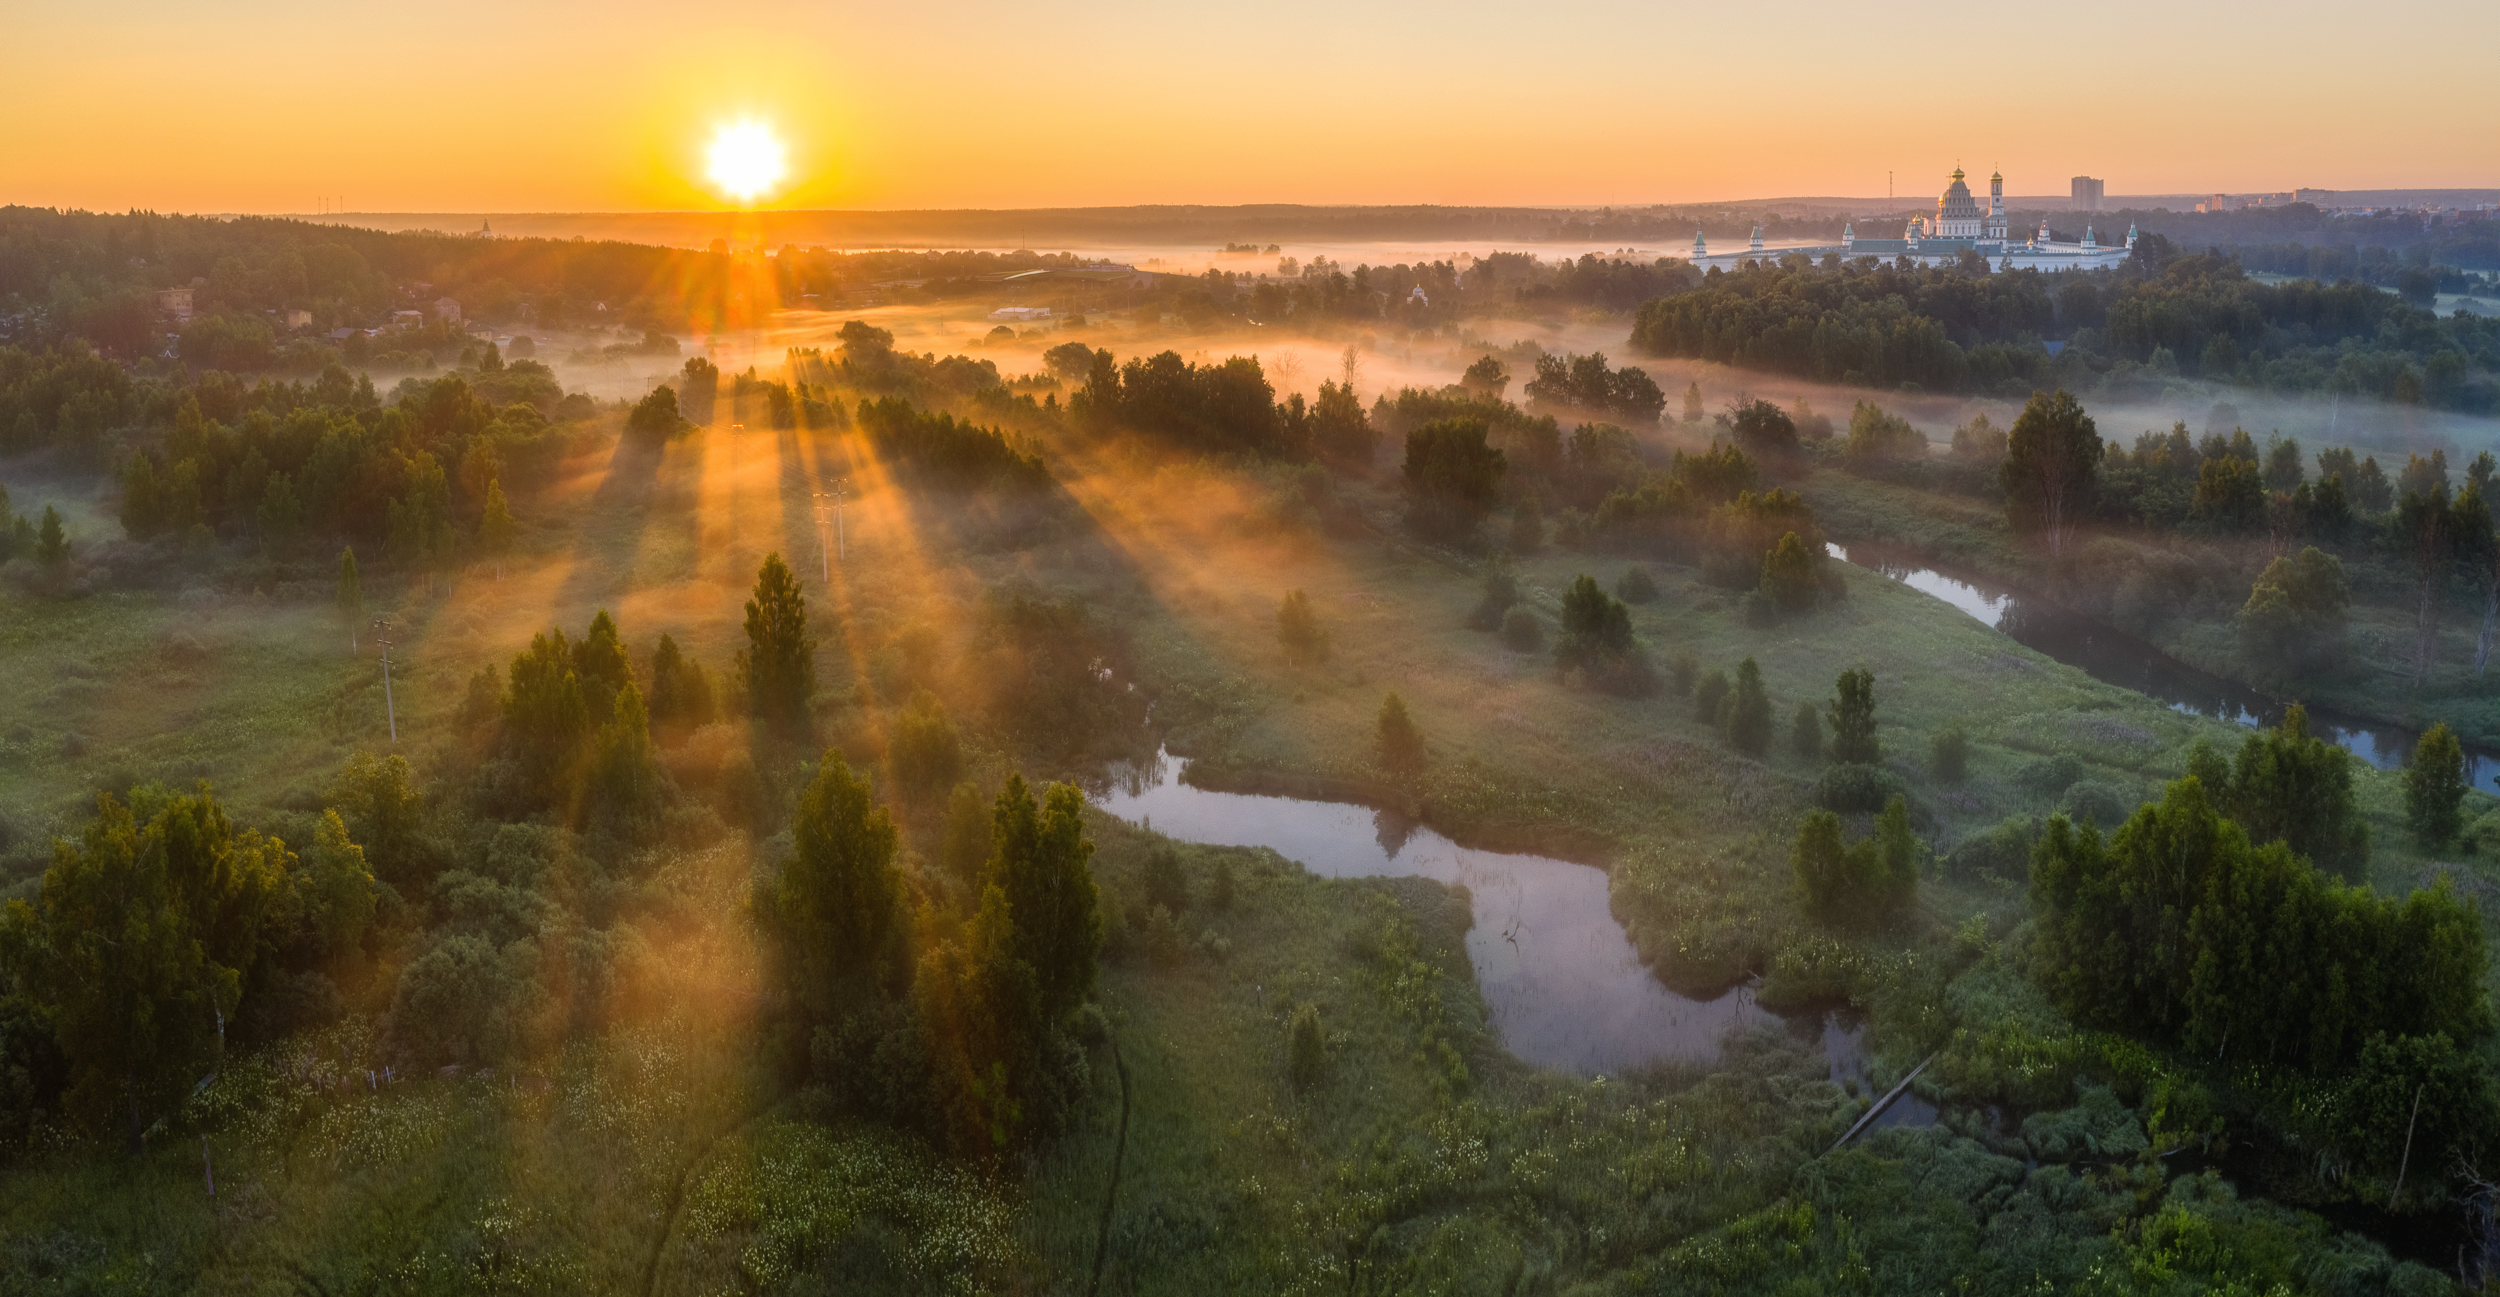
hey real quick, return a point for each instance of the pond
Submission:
(1562, 984)
(2115, 657)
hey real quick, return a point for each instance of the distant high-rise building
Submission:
(2321, 197)
(2086, 194)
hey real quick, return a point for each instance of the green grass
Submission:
(1426, 1159)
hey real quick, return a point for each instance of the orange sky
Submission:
(291, 106)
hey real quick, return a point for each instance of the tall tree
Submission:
(2291, 788)
(1453, 476)
(1746, 720)
(836, 913)
(778, 664)
(2478, 552)
(681, 690)
(142, 940)
(1040, 865)
(1340, 431)
(2424, 527)
(2052, 452)
(420, 534)
(1852, 712)
(2435, 788)
(2178, 927)
(495, 528)
(51, 543)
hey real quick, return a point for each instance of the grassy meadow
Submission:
(646, 1151)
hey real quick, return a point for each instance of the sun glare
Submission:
(746, 160)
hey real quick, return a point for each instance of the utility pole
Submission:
(830, 541)
(824, 535)
(382, 636)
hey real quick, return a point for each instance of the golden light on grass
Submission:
(746, 161)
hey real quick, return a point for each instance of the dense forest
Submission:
(2164, 316)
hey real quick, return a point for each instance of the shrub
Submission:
(1501, 590)
(1852, 787)
(1527, 524)
(1788, 576)
(1948, 753)
(2097, 801)
(1163, 882)
(1220, 885)
(1298, 629)
(1686, 673)
(2003, 851)
(1745, 719)
(2435, 788)
(1522, 632)
(1805, 734)
(2050, 775)
(1306, 1049)
(1596, 641)
(1636, 585)
(1399, 744)
(926, 754)
(1838, 879)
(1707, 696)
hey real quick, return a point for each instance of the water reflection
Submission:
(2115, 657)
(1562, 984)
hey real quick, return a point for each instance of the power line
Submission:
(382, 636)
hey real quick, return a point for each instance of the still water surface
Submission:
(1562, 984)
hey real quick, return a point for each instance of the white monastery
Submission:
(1959, 226)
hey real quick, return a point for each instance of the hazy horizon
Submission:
(886, 109)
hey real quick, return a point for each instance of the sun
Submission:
(746, 160)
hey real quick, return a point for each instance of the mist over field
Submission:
(931, 652)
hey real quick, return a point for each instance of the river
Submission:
(2111, 655)
(1563, 985)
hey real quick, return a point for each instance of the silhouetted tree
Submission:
(1853, 719)
(778, 665)
(1453, 476)
(2435, 788)
(2052, 452)
(1745, 719)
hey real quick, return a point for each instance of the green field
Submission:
(647, 1151)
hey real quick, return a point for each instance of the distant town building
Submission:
(408, 319)
(2085, 193)
(296, 318)
(446, 310)
(1021, 313)
(175, 302)
(1959, 227)
(2321, 197)
(2217, 203)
